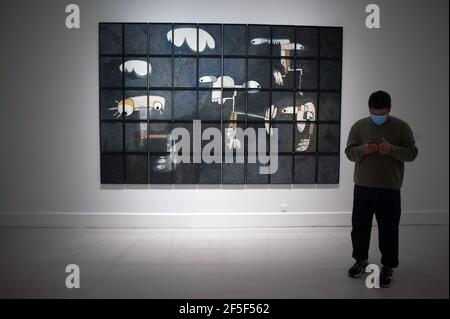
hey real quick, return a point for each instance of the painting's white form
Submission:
(166, 163)
(287, 49)
(230, 137)
(216, 97)
(270, 114)
(137, 103)
(228, 82)
(285, 44)
(140, 68)
(304, 112)
(189, 35)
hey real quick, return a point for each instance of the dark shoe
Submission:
(358, 269)
(386, 277)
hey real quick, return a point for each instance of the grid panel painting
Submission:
(156, 79)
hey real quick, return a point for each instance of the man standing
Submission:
(379, 145)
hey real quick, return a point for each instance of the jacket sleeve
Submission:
(354, 151)
(407, 150)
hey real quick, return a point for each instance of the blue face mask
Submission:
(379, 119)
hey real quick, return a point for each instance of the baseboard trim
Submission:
(203, 220)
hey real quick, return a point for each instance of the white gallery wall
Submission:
(49, 126)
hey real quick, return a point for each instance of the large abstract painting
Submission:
(280, 85)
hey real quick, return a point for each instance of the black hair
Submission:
(379, 100)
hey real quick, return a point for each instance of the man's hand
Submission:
(384, 148)
(370, 148)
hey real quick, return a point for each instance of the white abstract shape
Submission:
(267, 125)
(258, 41)
(285, 43)
(310, 110)
(303, 145)
(278, 77)
(301, 126)
(304, 112)
(232, 141)
(281, 41)
(128, 109)
(216, 96)
(189, 35)
(205, 40)
(157, 106)
(139, 103)
(157, 103)
(287, 110)
(274, 110)
(253, 86)
(270, 113)
(299, 47)
(234, 144)
(310, 116)
(208, 79)
(228, 81)
(166, 166)
(137, 66)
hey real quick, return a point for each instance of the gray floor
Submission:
(302, 262)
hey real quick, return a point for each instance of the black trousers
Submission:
(386, 205)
